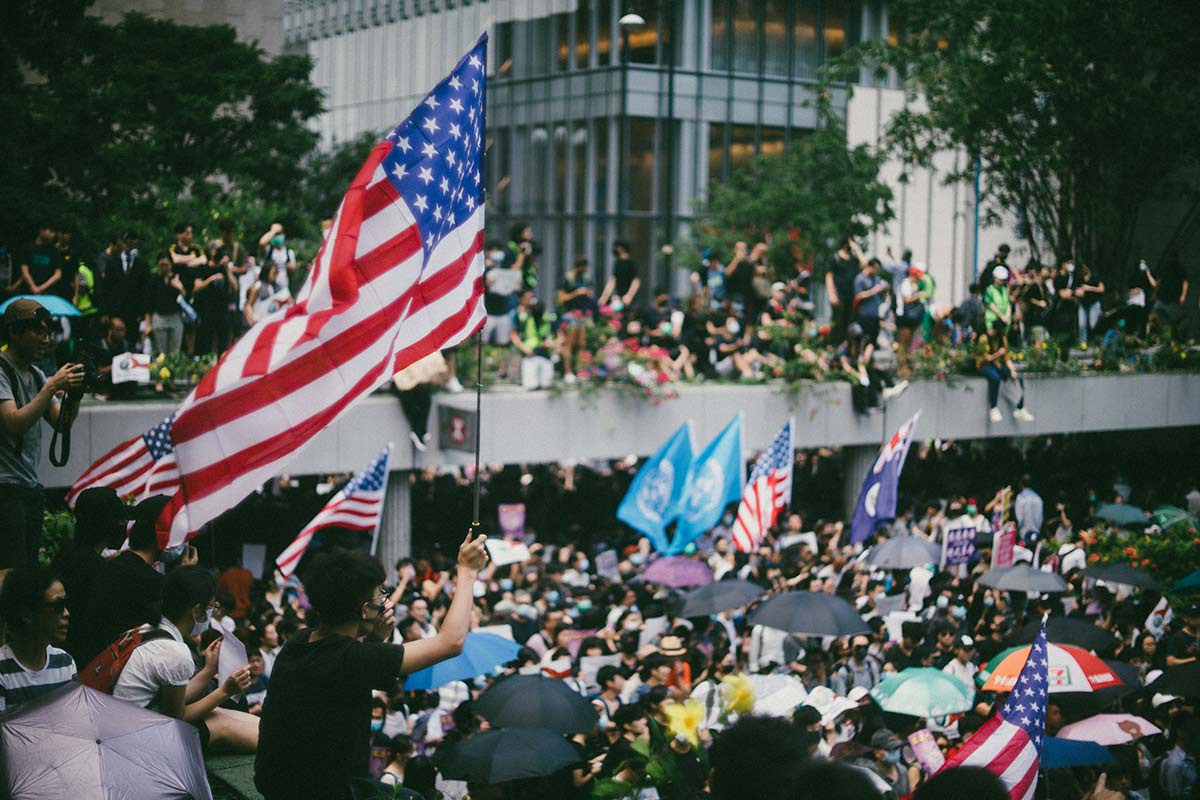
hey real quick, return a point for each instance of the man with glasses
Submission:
(26, 396)
(34, 605)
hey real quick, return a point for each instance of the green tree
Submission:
(815, 193)
(126, 122)
(1082, 115)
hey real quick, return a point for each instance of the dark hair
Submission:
(23, 594)
(143, 535)
(973, 288)
(622, 244)
(956, 782)
(514, 233)
(225, 226)
(606, 674)
(582, 261)
(627, 714)
(401, 745)
(184, 588)
(340, 581)
(420, 775)
(181, 227)
(758, 757)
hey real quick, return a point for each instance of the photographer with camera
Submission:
(27, 395)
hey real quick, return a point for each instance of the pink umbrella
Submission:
(1108, 729)
(678, 571)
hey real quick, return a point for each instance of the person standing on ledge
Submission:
(316, 722)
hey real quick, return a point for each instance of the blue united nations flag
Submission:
(714, 481)
(648, 505)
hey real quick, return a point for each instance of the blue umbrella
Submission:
(57, 306)
(1188, 585)
(1068, 753)
(481, 653)
(1122, 515)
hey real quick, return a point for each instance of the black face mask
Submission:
(860, 652)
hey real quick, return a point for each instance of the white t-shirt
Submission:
(964, 672)
(154, 665)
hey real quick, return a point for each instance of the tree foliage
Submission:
(815, 193)
(1082, 115)
(120, 125)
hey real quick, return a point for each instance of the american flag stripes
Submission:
(399, 277)
(358, 506)
(1010, 743)
(767, 493)
(138, 468)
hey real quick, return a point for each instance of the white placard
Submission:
(254, 557)
(233, 656)
(590, 665)
(131, 368)
(504, 552)
(653, 628)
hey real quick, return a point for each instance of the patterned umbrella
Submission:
(1108, 729)
(678, 571)
(923, 692)
(1071, 669)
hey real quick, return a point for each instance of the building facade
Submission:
(254, 20)
(600, 131)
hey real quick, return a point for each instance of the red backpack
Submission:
(104, 670)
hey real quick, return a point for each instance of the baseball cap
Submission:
(1000, 272)
(1160, 699)
(884, 739)
(965, 642)
(23, 309)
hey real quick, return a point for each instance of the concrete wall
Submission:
(254, 20)
(543, 426)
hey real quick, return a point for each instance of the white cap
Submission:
(1162, 699)
(856, 694)
(1000, 272)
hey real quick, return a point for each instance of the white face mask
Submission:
(200, 627)
(734, 327)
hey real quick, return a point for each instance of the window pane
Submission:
(720, 35)
(539, 46)
(559, 201)
(579, 141)
(640, 191)
(837, 14)
(563, 23)
(644, 38)
(775, 37)
(716, 151)
(600, 192)
(745, 36)
(804, 38)
(770, 141)
(539, 157)
(583, 34)
(504, 49)
(501, 169)
(741, 146)
(604, 26)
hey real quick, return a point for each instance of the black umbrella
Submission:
(535, 701)
(904, 552)
(509, 755)
(1183, 680)
(1122, 573)
(718, 597)
(810, 614)
(1023, 578)
(1064, 630)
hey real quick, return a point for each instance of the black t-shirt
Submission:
(844, 271)
(740, 283)
(624, 271)
(1183, 645)
(315, 732)
(160, 296)
(212, 297)
(43, 259)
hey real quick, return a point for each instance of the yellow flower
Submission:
(738, 693)
(160, 358)
(165, 374)
(684, 719)
(1083, 345)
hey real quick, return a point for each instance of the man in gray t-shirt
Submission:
(26, 396)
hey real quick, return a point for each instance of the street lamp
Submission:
(627, 22)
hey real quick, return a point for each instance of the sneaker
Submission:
(569, 378)
(454, 385)
(416, 440)
(894, 391)
(994, 415)
(1021, 415)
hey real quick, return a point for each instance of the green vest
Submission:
(534, 335)
(87, 285)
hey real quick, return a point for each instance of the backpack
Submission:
(104, 670)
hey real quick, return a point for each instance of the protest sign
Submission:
(606, 565)
(131, 368)
(590, 665)
(958, 543)
(512, 520)
(232, 656)
(1004, 544)
(925, 748)
(504, 552)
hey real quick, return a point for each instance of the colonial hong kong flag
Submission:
(138, 468)
(768, 492)
(1010, 743)
(358, 506)
(400, 276)
(877, 499)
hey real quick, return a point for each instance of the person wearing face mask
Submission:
(886, 763)
(860, 669)
(161, 676)
(500, 285)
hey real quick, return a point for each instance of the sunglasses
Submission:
(59, 605)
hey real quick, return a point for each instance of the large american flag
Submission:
(767, 493)
(1010, 743)
(358, 506)
(399, 277)
(138, 468)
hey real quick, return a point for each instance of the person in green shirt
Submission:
(533, 335)
(997, 304)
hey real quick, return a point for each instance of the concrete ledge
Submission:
(610, 423)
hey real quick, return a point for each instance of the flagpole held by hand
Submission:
(478, 422)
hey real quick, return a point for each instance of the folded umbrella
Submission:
(720, 596)
(904, 552)
(810, 614)
(1058, 753)
(1122, 515)
(1109, 729)
(1023, 578)
(1122, 573)
(482, 653)
(678, 571)
(509, 755)
(1064, 630)
(77, 742)
(1183, 680)
(1070, 669)
(57, 306)
(923, 692)
(535, 701)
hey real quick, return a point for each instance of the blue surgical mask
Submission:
(552, 597)
(958, 612)
(892, 757)
(943, 601)
(585, 604)
(989, 601)
(637, 559)
(376, 725)
(506, 584)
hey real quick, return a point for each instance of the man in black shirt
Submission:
(41, 267)
(844, 266)
(624, 284)
(315, 735)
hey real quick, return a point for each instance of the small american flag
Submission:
(358, 506)
(400, 276)
(1010, 743)
(767, 493)
(138, 468)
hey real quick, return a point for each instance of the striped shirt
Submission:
(19, 684)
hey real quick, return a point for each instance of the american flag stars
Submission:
(436, 156)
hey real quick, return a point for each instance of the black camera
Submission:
(93, 379)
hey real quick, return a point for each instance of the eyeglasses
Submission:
(59, 605)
